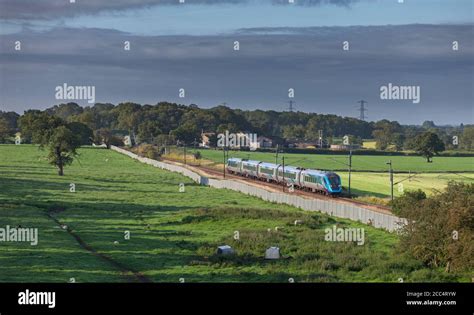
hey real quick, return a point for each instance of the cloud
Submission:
(311, 60)
(317, 2)
(52, 9)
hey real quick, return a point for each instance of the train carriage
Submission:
(234, 165)
(250, 168)
(268, 171)
(291, 175)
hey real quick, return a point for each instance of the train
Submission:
(328, 183)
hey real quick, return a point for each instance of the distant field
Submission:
(173, 235)
(369, 144)
(359, 162)
(378, 184)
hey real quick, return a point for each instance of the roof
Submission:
(234, 159)
(270, 165)
(291, 168)
(251, 162)
(314, 172)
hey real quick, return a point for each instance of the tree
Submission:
(384, 133)
(4, 129)
(62, 147)
(186, 133)
(148, 130)
(38, 126)
(439, 229)
(408, 199)
(295, 132)
(52, 132)
(466, 140)
(398, 140)
(105, 136)
(8, 125)
(428, 144)
(129, 115)
(82, 131)
(65, 111)
(428, 124)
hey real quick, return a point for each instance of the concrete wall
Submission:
(333, 208)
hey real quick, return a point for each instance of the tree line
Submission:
(167, 122)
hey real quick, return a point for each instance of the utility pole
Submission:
(391, 178)
(320, 132)
(276, 155)
(184, 153)
(223, 149)
(283, 160)
(362, 109)
(350, 170)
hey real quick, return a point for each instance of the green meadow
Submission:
(173, 234)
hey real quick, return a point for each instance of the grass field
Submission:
(369, 144)
(429, 177)
(173, 235)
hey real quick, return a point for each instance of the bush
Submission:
(148, 150)
(407, 201)
(440, 229)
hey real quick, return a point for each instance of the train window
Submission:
(232, 163)
(250, 167)
(334, 180)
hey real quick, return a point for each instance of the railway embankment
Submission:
(366, 214)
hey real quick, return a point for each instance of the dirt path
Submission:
(128, 273)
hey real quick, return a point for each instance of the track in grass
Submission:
(128, 273)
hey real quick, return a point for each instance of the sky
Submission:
(282, 46)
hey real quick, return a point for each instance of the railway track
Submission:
(213, 173)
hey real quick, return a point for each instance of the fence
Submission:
(333, 208)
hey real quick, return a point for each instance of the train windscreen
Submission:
(334, 180)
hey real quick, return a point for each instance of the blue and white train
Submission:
(328, 183)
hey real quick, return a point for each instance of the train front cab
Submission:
(333, 184)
